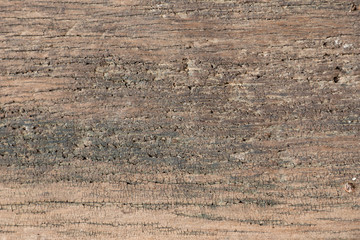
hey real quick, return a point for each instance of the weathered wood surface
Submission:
(195, 119)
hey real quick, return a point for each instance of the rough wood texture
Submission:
(199, 119)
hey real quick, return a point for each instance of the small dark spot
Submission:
(349, 187)
(336, 79)
(353, 7)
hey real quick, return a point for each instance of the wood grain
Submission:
(198, 119)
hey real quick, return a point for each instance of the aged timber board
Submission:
(198, 119)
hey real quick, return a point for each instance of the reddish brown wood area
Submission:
(186, 119)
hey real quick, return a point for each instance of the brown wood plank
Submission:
(197, 119)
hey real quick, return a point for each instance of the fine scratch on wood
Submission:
(73, 28)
